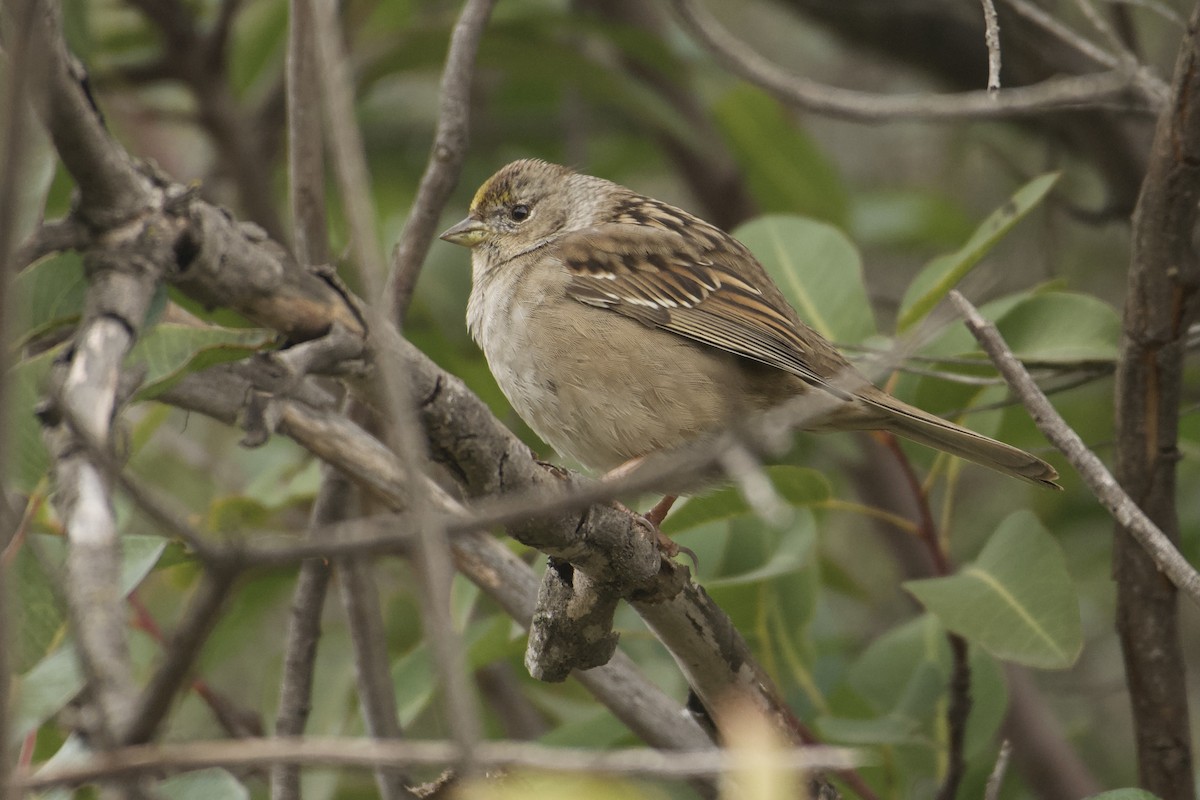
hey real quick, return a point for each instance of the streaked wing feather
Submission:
(689, 286)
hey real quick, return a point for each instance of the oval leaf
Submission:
(170, 351)
(819, 271)
(1062, 326)
(940, 275)
(1016, 601)
(799, 486)
(784, 167)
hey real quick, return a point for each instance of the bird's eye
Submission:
(519, 213)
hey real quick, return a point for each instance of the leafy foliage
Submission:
(819, 596)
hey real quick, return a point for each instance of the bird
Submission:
(619, 326)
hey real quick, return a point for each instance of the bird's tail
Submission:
(881, 411)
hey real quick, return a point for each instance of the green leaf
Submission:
(799, 486)
(1017, 600)
(794, 550)
(73, 751)
(907, 218)
(941, 275)
(170, 351)
(43, 690)
(213, 783)
(48, 294)
(1124, 794)
(1062, 326)
(40, 618)
(139, 554)
(819, 271)
(27, 459)
(786, 170)
(880, 730)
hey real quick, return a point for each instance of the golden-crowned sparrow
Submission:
(619, 326)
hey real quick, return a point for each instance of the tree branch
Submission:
(368, 753)
(1162, 300)
(445, 160)
(1052, 95)
(1120, 505)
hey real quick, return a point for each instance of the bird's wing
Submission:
(705, 287)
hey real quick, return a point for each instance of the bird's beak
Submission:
(467, 233)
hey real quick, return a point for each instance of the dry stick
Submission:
(487, 562)
(376, 691)
(434, 559)
(991, 36)
(1065, 35)
(1098, 90)
(1105, 29)
(368, 753)
(306, 164)
(304, 629)
(995, 781)
(1048, 762)
(146, 501)
(198, 59)
(445, 161)
(1106, 489)
(179, 653)
(306, 198)
(119, 293)
(1151, 84)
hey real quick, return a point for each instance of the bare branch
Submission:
(50, 237)
(372, 664)
(1110, 494)
(995, 780)
(368, 753)
(991, 37)
(306, 164)
(445, 160)
(1049, 764)
(433, 558)
(180, 652)
(304, 628)
(1054, 95)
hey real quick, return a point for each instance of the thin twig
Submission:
(1161, 9)
(372, 664)
(445, 160)
(369, 753)
(304, 628)
(400, 428)
(991, 36)
(180, 653)
(1105, 29)
(306, 198)
(306, 165)
(1090, 468)
(995, 781)
(1065, 35)
(145, 500)
(958, 713)
(1052, 95)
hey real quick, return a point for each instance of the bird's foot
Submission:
(666, 545)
